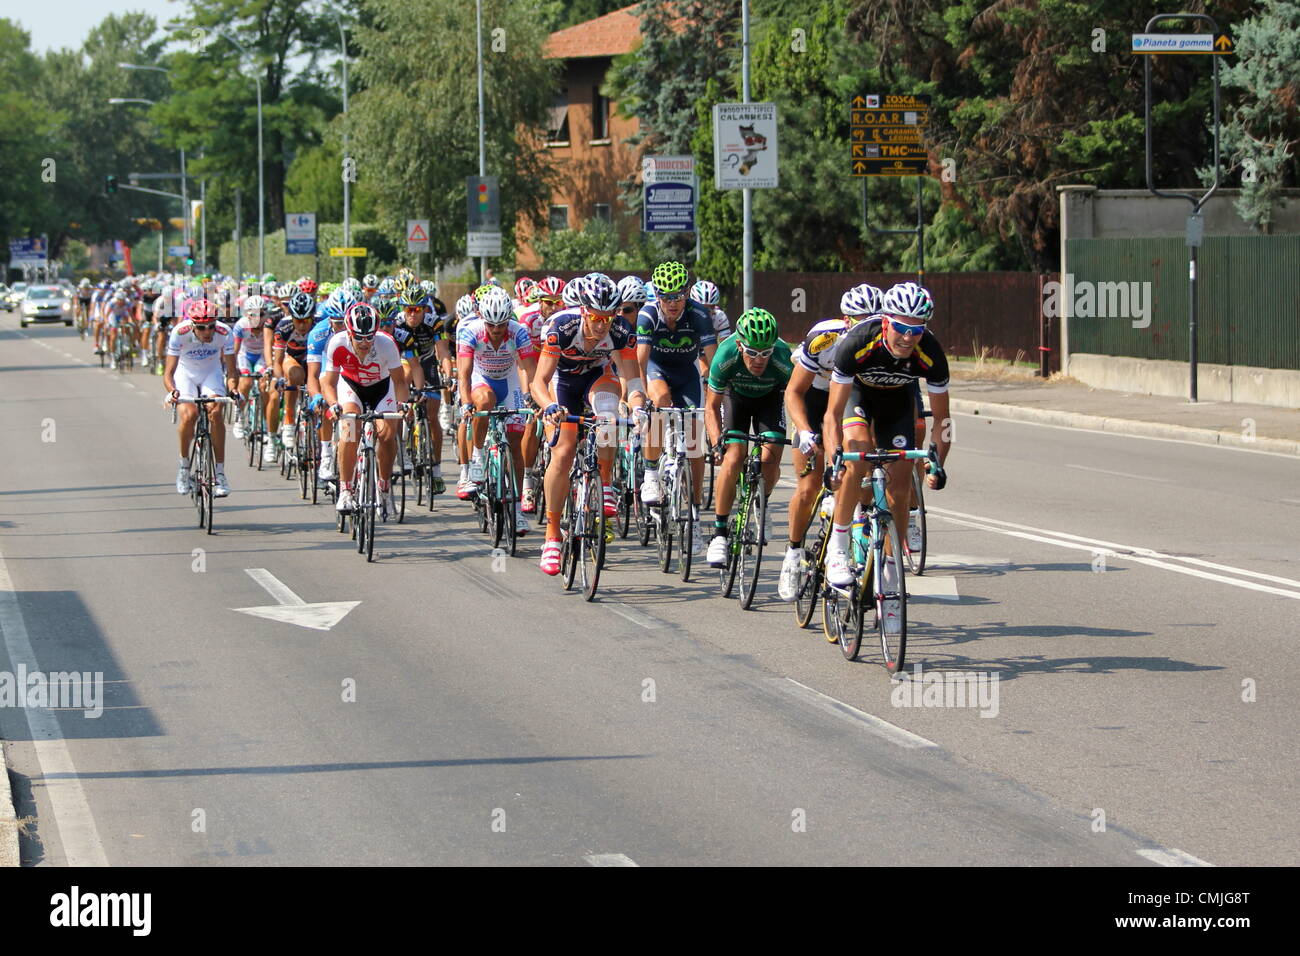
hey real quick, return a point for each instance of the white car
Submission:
(45, 303)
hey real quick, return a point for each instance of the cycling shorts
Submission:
(755, 416)
(572, 388)
(198, 382)
(891, 413)
(378, 397)
(815, 402)
(507, 392)
(683, 383)
(251, 363)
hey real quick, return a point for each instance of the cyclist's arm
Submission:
(541, 380)
(629, 372)
(169, 373)
(527, 369)
(713, 415)
(464, 368)
(328, 383)
(643, 360)
(942, 431)
(706, 357)
(313, 378)
(401, 388)
(277, 361)
(832, 433)
(795, 390)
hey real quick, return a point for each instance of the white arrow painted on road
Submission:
(293, 609)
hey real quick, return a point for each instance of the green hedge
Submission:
(382, 258)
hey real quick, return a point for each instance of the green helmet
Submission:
(412, 295)
(757, 328)
(268, 277)
(483, 290)
(386, 307)
(669, 277)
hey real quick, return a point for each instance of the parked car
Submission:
(14, 294)
(46, 303)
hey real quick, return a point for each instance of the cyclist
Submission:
(580, 347)
(466, 310)
(329, 324)
(363, 372)
(747, 380)
(289, 357)
(118, 320)
(876, 362)
(490, 348)
(707, 295)
(369, 286)
(421, 336)
(806, 397)
(84, 294)
(199, 350)
(250, 357)
(545, 300)
(672, 336)
(523, 294)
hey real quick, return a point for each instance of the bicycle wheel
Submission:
(593, 538)
(623, 482)
(209, 481)
(644, 524)
(509, 503)
(303, 451)
(315, 463)
(662, 521)
(709, 472)
(810, 577)
(685, 521)
(570, 528)
(372, 509)
(360, 513)
(727, 573)
(418, 470)
(491, 490)
(893, 646)
(196, 478)
(916, 559)
(751, 552)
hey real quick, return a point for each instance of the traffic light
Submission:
(110, 185)
(189, 257)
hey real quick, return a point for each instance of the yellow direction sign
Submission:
(349, 252)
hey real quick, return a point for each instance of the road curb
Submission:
(8, 817)
(1122, 426)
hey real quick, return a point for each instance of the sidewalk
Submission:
(1016, 395)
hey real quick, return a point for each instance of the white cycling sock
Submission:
(840, 537)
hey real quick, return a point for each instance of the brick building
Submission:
(585, 142)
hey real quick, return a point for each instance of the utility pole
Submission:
(482, 149)
(747, 194)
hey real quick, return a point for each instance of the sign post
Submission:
(300, 234)
(483, 219)
(669, 194)
(1146, 45)
(886, 138)
(745, 158)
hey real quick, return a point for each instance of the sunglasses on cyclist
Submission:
(756, 353)
(903, 329)
(362, 338)
(672, 296)
(629, 310)
(599, 316)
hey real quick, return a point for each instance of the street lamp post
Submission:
(261, 189)
(347, 183)
(185, 202)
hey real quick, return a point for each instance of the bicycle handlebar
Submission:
(372, 416)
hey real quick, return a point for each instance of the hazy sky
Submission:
(64, 23)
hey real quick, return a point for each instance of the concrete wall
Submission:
(1215, 383)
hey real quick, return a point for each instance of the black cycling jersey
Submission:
(861, 356)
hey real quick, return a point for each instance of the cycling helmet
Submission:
(308, 285)
(861, 300)
(549, 288)
(268, 277)
(523, 287)
(669, 277)
(388, 287)
(83, 284)
(429, 287)
(387, 308)
(495, 307)
(631, 289)
(200, 311)
(361, 320)
(412, 295)
(571, 293)
(370, 281)
(599, 293)
(910, 300)
(705, 293)
(302, 305)
(465, 307)
(494, 282)
(254, 305)
(757, 328)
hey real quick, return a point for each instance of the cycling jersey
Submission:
(420, 339)
(249, 335)
(493, 363)
(293, 342)
(564, 338)
(721, 324)
(679, 347)
(317, 339)
(531, 319)
(863, 357)
(197, 355)
(382, 358)
(728, 372)
(816, 352)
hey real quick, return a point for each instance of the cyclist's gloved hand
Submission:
(280, 384)
(807, 442)
(316, 402)
(640, 417)
(336, 411)
(938, 476)
(466, 410)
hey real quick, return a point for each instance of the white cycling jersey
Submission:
(200, 356)
(494, 363)
(816, 352)
(379, 362)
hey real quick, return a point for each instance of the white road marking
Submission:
(610, 859)
(1172, 857)
(939, 587)
(1140, 555)
(292, 609)
(881, 728)
(1290, 501)
(636, 617)
(68, 805)
(966, 561)
(1118, 474)
(1177, 441)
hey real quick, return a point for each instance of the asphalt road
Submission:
(1136, 601)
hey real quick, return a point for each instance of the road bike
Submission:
(497, 498)
(879, 578)
(368, 509)
(417, 440)
(808, 581)
(582, 525)
(675, 516)
(202, 465)
(748, 529)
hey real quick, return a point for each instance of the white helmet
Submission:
(861, 300)
(495, 307)
(631, 289)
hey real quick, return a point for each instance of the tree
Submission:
(1261, 125)
(415, 126)
(27, 132)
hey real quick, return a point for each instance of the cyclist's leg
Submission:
(805, 492)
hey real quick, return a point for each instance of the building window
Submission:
(559, 218)
(557, 130)
(602, 211)
(599, 115)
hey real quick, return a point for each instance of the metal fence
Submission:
(1248, 299)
